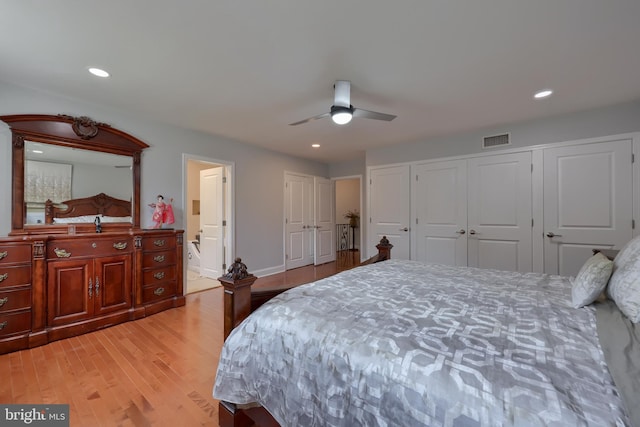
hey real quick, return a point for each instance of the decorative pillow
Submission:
(624, 285)
(591, 280)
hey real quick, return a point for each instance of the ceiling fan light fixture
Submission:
(98, 72)
(341, 115)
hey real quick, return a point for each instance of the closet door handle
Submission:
(461, 231)
(552, 235)
(90, 289)
(404, 229)
(97, 286)
(472, 231)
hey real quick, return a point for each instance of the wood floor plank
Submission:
(155, 371)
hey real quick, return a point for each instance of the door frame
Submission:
(229, 202)
(362, 221)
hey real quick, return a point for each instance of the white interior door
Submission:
(325, 222)
(587, 202)
(211, 222)
(440, 197)
(298, 220)
(389, 207)
(499, 224)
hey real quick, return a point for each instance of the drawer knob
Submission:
(3, 325)
(61, 253)
(120, 245)
(159, 242)
(4, 254)
(158, 258)
(159, 291)
(3, 301)
(159, 275)
(3, 277)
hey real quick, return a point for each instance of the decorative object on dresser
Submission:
(86, 264)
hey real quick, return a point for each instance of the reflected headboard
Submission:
(100, 204)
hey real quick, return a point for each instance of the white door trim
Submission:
(229, 207)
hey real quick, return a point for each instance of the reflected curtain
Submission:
(45, 180)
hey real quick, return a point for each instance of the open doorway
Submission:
(208, 201)
(348, 207)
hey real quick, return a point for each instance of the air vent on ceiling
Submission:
(496, 140)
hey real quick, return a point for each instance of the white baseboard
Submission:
(268, 271)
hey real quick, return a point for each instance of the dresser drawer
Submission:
(158, 292)
(15, 276)
(88, 247)
(157, 275)
(13, 323)
(158, 243)
(15, 300)
(14, 253)
(158, 259)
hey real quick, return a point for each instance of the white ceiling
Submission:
(246, 69)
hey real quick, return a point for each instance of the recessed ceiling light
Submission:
(315, 145)
(37, 151)
(543, 93)
(98, 72)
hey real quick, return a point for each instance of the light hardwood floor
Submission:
(156, 371)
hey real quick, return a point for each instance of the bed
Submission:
(86, 209)
(401, 343)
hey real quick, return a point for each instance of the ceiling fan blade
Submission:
(310, 119)
(358, 112)
(342, 93)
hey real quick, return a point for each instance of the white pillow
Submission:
(75, 219)
(624, 285)
(115, 219)
(591, 280)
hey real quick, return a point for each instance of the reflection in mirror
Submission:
(58, 173)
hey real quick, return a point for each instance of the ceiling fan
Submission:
(342, 111)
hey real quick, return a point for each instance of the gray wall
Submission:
(259, 173)
(616, 119)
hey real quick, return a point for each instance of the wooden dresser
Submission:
(61, 285)
(15, 293)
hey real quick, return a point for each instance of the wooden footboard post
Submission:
(237, 295)
(384, 249)
(384, 252)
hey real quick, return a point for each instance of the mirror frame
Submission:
(68, 131)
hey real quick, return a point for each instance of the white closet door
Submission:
(587, 202)
(389, 207)
(440, 197)
(299, 220)
(499, 212)
(325, 222)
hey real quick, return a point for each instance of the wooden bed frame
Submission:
(239, 302)
(100, 204)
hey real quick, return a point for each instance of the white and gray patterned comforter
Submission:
(402, 343)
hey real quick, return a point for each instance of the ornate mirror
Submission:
(68, 170)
